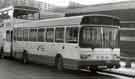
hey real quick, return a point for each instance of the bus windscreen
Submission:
(98, 37)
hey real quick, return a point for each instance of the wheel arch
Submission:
(25, 58)
(57, 56)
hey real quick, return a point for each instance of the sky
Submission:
(85, 2)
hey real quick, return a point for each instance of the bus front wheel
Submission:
(59, 63)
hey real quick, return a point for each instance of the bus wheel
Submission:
(1, 53)
(25, 57)
(93, 71)
(117, 66)
(59, 64)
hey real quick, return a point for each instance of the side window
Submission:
(72, 34)
(49, 35)
(59, 35)
(41, 34)
(30, 34)
(33, 35)
(21, 34)
(17, 34)
(25, 34)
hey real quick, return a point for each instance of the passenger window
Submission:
(17, 35)
(25, 34)
(50, 35)
(20, 35)
(72, 34)
(41, 34)
(33, 35)
(59, 35)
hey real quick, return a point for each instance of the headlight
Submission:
(116, 56)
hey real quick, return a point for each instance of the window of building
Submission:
(72, 34)
(59, 35)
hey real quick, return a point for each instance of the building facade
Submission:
(28, 3)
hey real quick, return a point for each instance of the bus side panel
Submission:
(7, 48)
(18, 48)
(39, 52)
(71, 56)
(45, 53)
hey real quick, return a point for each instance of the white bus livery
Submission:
(89, 41)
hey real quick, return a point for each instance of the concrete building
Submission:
(44, 8)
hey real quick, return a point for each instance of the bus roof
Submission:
(76, 20)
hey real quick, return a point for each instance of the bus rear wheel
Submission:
(1, 53)
(59, 64)
(25, 58)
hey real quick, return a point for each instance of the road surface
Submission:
(11, 69)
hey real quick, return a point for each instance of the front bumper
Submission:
(100, 64)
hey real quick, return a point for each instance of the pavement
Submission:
(123, 71)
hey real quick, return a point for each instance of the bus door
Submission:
(71, 40)
(8, 43)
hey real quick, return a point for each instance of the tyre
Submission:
(110, 66)
(25, 58)
(59, 64)
(93, 71)
(1, 53)
(117, 66)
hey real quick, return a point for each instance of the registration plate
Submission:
(108, 61)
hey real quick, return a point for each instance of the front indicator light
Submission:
(116, 56)
(84, 56)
